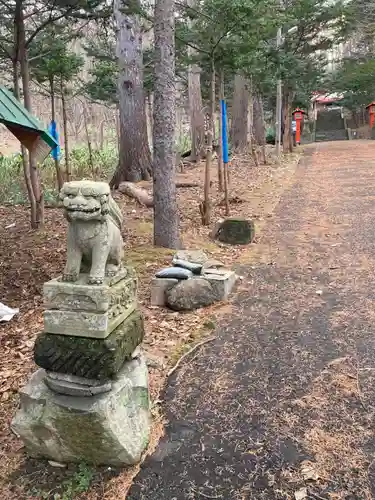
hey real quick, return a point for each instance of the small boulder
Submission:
(194, 256)
(191, 294)
(236, 231)
(174, 272)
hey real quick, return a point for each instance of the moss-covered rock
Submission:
(107, 429)
(236, 231)
(92, 358)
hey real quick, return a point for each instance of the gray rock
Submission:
(221, 280)
(236, 231)
(158, 288)
(107, 429)
(191, 294)
(174, 272)
(193, 267)
(212, 264)
(194, 256)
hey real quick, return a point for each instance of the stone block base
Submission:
(90, 358)
(159, 287)
(221, 280)
(106, 429)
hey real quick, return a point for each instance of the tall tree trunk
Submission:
(135, 157)
(33, 167)
(239, 114)
(197, 119)
(259, 125)
(205, 207)
(59, 177)
(287, 115)
(66, 138)
(165, 200)
(25, 163)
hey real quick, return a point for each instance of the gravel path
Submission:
(281, 404)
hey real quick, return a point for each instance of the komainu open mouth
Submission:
(83, 210)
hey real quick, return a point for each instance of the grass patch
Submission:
(71, 487)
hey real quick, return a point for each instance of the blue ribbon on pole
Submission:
(52, 129)
(224, 134)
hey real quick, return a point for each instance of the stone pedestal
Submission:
(89, 401)
(111, 428)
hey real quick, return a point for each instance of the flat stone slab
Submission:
(84, 324)
(106, 429)
(80, 296)
(191, 266)
(98, 359)
(159, 287)
(71, 385)
(174, 272)
(221, 280)
(194, 256)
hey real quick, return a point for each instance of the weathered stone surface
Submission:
(94, 242)
(194, 268)
(221, 280)
(85, 324)
(195, 256)
(158, 288)
(236, 231)
(80, 296)
(191, 294)
(215, 229)
(75, 386)
(107, 429)
(212, 264)
(174, 272)
(87, 357)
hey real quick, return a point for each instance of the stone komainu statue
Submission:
(94, 243)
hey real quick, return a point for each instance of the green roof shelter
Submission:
(28, 130)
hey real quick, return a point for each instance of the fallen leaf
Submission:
(309, 472)
(300, 494)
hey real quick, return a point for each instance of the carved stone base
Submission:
(107, 429)
(98, 359)
(85, 310)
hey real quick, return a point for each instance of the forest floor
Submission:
(29, 258)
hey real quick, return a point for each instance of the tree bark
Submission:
(205, 207)
(197, 119)
(59, 177)
(66, 138)
(25, 163)
(287, 114)
(165, 199)
(239, 114)
(33, 167)
(135, 157)
(259, 125)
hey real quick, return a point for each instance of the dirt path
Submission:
(281, 405)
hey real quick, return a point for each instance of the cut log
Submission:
(139, 194)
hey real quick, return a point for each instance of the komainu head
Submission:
(89, 200)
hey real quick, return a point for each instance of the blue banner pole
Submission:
(55, 153)
(224, 142)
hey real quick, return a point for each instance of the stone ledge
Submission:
(98, 359)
